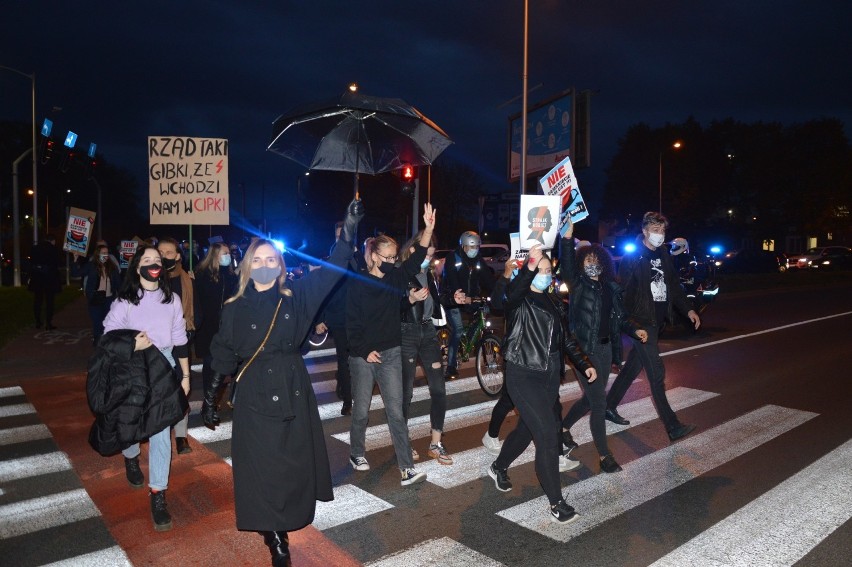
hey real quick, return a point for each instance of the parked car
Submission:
(826, 258)
(751, 262)
(495, 255)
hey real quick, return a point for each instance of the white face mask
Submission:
(656, 240)
(225, 260)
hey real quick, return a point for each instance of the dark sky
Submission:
(121, 71)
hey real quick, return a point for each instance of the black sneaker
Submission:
(568, 442)
(562, 513)
(133, 472)
(501, 478)
(452, 373)
(679, 431)
(182, 446)
(159, 512)
(608, 465)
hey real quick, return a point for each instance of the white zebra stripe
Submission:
(51, 511)
(16, 409)
(27, 467)
(442, 552)
(350, 503)
(23, 434)
(11, 391)
(109, 557)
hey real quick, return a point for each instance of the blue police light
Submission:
(715, 249)
(280, 245)
(629, 248)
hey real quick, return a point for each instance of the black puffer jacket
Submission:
(531, 329)
(133, 394)
(586, 300)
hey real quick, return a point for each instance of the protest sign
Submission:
(517, 253)
(537, 221)
(561, 181)
(78, 231)
(188, 180)
(127, 249)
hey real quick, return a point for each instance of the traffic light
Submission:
(408, 176)
(46, 149)
(66, 160)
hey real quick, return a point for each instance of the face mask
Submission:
(593, 270)
(425, 264)
(542, 281)
(386, 267)
(103, 258)
(514, 274)
(151, 272)
(169, 264)
(656, 240)
(472, 253)
(265, 275)
(225, 260)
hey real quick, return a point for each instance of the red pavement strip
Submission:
(200, 495)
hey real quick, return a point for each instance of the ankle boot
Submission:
(278, 544)
(159, 511)
(133, 472)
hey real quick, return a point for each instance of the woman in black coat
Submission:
(280, 464)
(215, 283)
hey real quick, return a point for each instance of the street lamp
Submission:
(676, 145)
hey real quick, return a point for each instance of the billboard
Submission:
(550, 129)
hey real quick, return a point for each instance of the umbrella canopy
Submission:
(358, 133)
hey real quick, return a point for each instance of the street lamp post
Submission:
(677, 145)
(523, 102)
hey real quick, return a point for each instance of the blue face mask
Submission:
(542, 281)
(425, 263)
(514, 274)
(472, 253)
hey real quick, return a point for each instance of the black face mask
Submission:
(386, 267)
(151, 272)
(169, 264)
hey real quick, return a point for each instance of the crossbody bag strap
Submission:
(262, 344)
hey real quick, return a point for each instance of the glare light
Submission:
(715, 249)
(353, 87)
(630, 248)
(280, 245)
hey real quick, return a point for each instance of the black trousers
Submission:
(41, 296)
(341, 347)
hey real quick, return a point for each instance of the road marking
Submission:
(804, 509)
(33, 466)
(206, 435)
(350, 503)
(442, 552)
(16, 409)
(46, 512)
(653, 475)
(23, 434)
(473, 464)
(754, 334)
(11, 391)
(112, 556)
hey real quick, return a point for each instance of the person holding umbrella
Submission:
(280, 463)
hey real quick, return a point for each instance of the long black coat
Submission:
(280, 463)
(209, 297)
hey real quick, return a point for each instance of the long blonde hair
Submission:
(245, 270)
(210, 263)
(406, 248)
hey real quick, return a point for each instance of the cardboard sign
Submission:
(538, 220)
(517, 252)
(127, 249)
(561, 181)
(78, 231)
(188, 180)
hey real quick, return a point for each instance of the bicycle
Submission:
(478, 339)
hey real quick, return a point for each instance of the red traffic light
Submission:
(408, 172)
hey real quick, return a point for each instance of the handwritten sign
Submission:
(537, 223)
(561, 181)
(518, 254)
(188, 180)
(79, 230)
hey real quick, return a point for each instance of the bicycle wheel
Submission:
(444, 345)
(490, 369)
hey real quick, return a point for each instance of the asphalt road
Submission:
(764, 479)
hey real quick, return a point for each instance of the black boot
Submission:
(279, 547)
(159, 512)
(209, 408)
(133, 472)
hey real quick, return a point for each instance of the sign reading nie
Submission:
(188, 180)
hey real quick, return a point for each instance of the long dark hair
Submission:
(107, 268)
(131, 288)
(210, 263)
(604, 259)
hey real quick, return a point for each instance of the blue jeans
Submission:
(419, 340)
(388, 375)
(454, 318)
(159, 450)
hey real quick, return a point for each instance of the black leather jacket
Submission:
(531, 329)
(585, 312)
(473, 276)
(413, 312)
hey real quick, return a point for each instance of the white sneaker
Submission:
(492, 444)
(411, 476)
(359, 463)
(566, 464)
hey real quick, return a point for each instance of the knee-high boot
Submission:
(279, 546)
(212, 387)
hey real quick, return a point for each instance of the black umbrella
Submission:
(358, 133)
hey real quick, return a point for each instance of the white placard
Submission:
(538, 220)
(561, 181)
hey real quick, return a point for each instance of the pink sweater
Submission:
(162, 321)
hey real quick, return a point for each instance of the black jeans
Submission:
(647, 356)
(594, 398)
(341, 348)
(533, 393)
(421, 341)
(41, 295)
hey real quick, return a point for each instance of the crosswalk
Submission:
(805, 508)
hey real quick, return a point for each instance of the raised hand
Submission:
(535, 255)
(429, 216)
(354, 214)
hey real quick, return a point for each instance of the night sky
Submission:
(121, 71)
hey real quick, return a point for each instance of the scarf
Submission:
(185, 295)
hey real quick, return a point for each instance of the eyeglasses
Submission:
(387, 258)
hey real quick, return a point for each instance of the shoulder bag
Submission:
(232, 397)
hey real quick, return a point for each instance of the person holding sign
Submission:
(597, 318)
(534, 350)
(280, 463)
